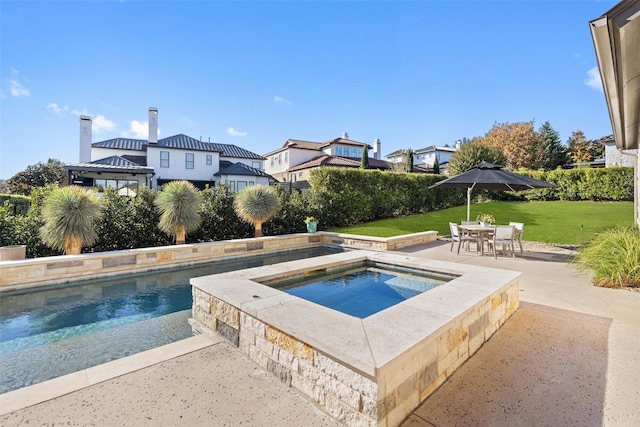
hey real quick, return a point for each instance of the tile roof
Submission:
(349, 162)
(241, 169)
(182, 142)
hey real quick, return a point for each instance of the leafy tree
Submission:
(409, 163)
(364, 162)
(70, 216)
(555, 153)
(219, 218)
(579, 148)
(37, 175)
(472, 154)
(290, 219)
(519, 142)
(597, 150)
(256, 205)
(178, 204)
(116, 227)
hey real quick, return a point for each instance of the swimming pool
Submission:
(362, 290)
(52, 332)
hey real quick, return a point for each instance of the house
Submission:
(613, 157)
(296, 158)
(128, 163)
(424, 158)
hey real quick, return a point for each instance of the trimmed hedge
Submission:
(17, 204)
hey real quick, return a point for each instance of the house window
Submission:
(250, 183)
(292, 177)
(164, 159)
(338, 151)
(272, 160)
(242, 185)
(354, 152)
(232, 185)
(286, 156)
(280, 158)
(257, 165)
(188, 160)
(125, 187)
(209, 159)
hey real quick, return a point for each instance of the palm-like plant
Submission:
(256, 205)
(178, 204)
(70, 215)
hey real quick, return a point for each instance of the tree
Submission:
(579, 148)
(555, 154)
(178, 204)
(519, 142)
(38, 175)
(256, 204)
(473, 153)
(436, 165)
(409, 163)
(70, 217)
(364, 162)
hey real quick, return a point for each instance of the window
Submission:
(125, 187)
(209, 159)
(250, 183)
(354, 152)
(272, 160)
(256, 165)
(292, 177)
(188, 161)
(280, 158)
(286, 156)
(242, 185)
(164, 159)
(338, 151)
(232, 185)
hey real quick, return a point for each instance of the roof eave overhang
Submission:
(616, 39)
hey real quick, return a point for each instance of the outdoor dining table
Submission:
(479, 231)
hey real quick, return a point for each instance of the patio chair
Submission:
(456, 236)
(504, 235)
(519, 226)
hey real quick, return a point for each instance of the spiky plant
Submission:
(256, 205)
(70, 215)
(178, 204)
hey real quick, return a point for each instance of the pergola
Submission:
(616, 38)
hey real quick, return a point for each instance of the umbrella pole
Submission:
(468, 202)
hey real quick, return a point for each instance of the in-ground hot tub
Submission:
(370, 371)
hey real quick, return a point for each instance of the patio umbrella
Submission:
(488, 176)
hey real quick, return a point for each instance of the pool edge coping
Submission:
(56, 387)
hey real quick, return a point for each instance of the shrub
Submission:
(17, 204)
(613, 256)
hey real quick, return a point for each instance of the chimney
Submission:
(85, 139)
(345, 135)
(458, 144)
(153, 125)
(376, 148)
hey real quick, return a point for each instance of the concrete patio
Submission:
(568, 356)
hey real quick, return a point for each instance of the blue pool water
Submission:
(48, 333)
(364, 290)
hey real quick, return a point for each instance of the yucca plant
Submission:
(613, 256)
(178, 204)
(256, 205)
(70, 215)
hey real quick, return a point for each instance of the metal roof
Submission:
(110, 164)
(180, 142)
(241, 169)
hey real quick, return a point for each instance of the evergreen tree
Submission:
(364, 162)
(555, 153)
(579, 148)
(409, 162)
(436, 165)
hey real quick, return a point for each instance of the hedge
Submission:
(18, 204)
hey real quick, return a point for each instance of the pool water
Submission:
(363, 290)
(52, 332)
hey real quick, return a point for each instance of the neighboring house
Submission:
(128, 163)
(614, 157)
(425, 158)
(293, 161)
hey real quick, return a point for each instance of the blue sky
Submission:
(254, 74)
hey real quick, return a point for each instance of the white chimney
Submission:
(85, 139)
(458, 144)
(345, 135)
(153, 125)
(376, 148)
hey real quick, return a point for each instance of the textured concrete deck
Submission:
(569, 356)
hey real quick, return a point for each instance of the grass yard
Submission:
(558, 222)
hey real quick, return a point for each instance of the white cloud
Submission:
(279, 99)
(593, 79)
(82, 112)
(101, 124)
(233, 132)
(138, 130)
(17, 90)
(57, 109)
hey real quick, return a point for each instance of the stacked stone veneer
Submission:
(60, 269)
(382, 396)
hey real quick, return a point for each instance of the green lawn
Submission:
(551, 222)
